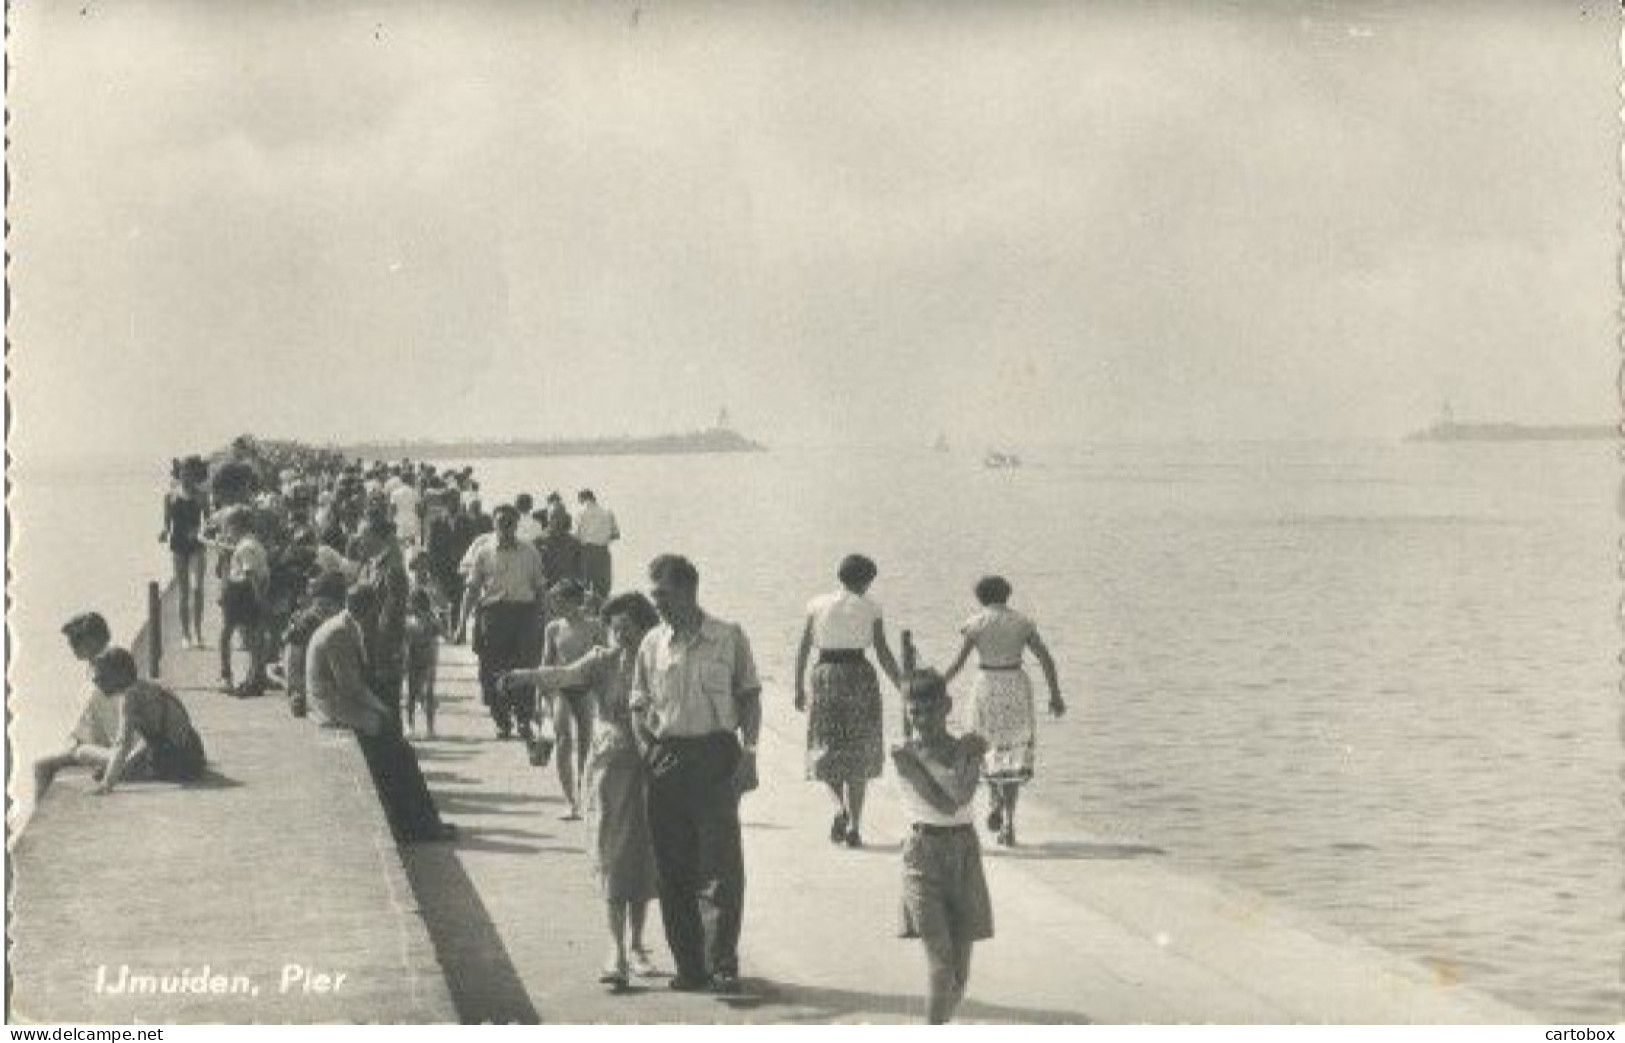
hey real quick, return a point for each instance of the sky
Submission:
(1012, 223)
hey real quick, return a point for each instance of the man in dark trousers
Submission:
(697, 702)
(337, 667)
(384, 570)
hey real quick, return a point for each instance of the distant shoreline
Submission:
(1506, 432)
(711, 440)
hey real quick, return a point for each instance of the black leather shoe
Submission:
(682, 984)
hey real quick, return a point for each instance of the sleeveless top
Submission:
(917, 809)
(843, 620)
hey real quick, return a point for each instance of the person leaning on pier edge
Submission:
(695, 696)
(383, 569)
(336, 675)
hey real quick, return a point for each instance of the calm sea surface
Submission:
(1376, 681)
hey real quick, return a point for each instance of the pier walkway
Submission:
(282, 858)
(1087, 930)
(273, 870)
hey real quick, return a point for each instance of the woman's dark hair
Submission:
(993, 590)
(856, 570)
(87, 626)
(568, 590)
(631, 603)
(924, 685)
(113, 670)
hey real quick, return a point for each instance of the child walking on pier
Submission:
(425, 608)
(945, 899)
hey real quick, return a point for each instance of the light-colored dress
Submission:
(614, 781)
(845, 740)
(1001, 703)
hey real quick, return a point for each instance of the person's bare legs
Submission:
(574, 724)
(941, 979)
(637, 916)
(617, 916)
(183, 582)
(95, 758)
(564, 751)
(198, 563)
(1007, 797)
(962, 951)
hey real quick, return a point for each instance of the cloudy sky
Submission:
(843, 221)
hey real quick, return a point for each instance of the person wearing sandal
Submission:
(845, 744)
(1001, 706)
(613, 782)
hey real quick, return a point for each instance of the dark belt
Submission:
(691, 742)
(840, 655)
(931, 831)
(1001, 669)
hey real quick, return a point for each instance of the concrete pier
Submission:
(1087, 930)
(279, 868)
(275, 869)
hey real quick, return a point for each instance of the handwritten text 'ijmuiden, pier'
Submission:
(125, 980)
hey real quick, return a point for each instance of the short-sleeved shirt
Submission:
(507, 573)
(405, 500)
(690, 682)
(529, 530)
(595, 525)
(843, 620)
(249, 561)
(98, 722)
(999, 633)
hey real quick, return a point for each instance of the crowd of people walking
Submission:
(341, 579)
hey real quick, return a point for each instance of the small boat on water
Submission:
(996, 460)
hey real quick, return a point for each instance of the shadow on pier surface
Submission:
(485, 987)
(790, 1003)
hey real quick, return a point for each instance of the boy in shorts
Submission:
(945, 899)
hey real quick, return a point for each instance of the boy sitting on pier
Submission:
(155, 737)
(945, 899)
(92, 737)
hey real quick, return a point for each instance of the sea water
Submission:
(1376, 681)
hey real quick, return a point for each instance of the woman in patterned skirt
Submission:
(1001, 704)
(845, 748)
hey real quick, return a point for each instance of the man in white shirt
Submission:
(530, 530)
(408, 510)
(596, 530)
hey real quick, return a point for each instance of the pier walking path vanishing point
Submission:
(282, 857)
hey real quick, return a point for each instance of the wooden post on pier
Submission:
(155, 630)
(910, 657)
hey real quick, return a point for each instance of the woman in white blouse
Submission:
(845, 745)
(1001, 706)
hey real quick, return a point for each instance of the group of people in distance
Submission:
(945, 897)
(342, 579)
